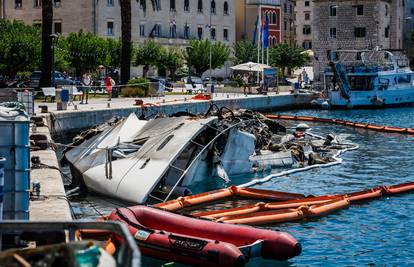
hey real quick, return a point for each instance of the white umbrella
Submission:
(309, 52)
(250, 66)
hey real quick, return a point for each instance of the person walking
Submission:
(86, 83)
(109, 83)
(245, 83)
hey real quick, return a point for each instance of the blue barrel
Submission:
(64, 95)
(2, 165)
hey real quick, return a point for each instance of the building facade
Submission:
(280, 16)
(304, 23)
(348, 24)
(171, 22)
(69, 16)
(408, 27)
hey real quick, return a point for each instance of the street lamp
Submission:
(54, 39)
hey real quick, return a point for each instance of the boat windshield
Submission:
(362, 83)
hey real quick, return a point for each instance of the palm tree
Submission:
(47, 58)
(126, 50)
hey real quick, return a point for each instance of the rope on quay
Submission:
(361, 125)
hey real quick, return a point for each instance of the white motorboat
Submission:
(369, 79)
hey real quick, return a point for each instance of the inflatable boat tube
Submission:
(162, 234)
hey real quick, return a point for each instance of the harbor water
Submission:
(375, 233)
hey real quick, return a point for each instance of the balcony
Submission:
(263, 2)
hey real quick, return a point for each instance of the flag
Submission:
(266, 32)
(255, 31)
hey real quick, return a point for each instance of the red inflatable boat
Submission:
(172, 237)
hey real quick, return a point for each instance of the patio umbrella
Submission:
(309, 52)
(250, 66)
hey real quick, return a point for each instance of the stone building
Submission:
(349, 24)
(279, 12)
(408, 27)
(69, 16)
(171, 22)
(304, 23)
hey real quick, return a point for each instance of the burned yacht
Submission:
(134, 160)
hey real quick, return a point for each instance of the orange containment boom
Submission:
(189, 201)
(287, 208)
(378, 128)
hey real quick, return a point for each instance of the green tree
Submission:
(47, 57)
(20, 47)
(171, 59)
(149, 55)
(286, 56)
(86, 51)
(197, 55)
(244, 51)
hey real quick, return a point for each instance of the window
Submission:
(306, 29)
(213, 33)
(306, 3)
(226, 8)
(307, 45)
(291, 9)
(110, 2)
(386, 10)
(58, 27)
(187, 5)
(332, 11)
(360, 10)
(226, 34)
(213, 7)
(37, 3)
(110, 28)
(332, 55)
(18, 4)
(172, 6)
(57, 3)
(157, 4)
(274, 18)
(404, 79)
(307, 16)
(285, 8)
(186, 31)
(157, 30)
(285, 25)
(200, 32)
(200, 6)
(173, 30)
(142, 30)
(332, 32)
(387, 32)
(359, 32)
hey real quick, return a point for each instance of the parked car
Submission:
(168, 84)
(60, 79)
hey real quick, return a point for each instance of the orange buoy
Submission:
(267, 194)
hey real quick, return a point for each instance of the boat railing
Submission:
(205, 147)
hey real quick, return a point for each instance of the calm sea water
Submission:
(376, 233)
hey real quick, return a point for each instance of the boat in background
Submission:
(368, 79)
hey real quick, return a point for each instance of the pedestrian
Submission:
(245, 83)
(300, 79)
(86, 82)
(109, 83)
(305, 77)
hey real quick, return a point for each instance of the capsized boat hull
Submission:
(163, 234)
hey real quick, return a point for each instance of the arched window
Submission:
(172, 5)
(200, 6)
(274, 18)
(226, 8)
(213, 7)
(187, 5)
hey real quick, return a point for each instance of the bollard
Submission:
(75, 107)
(36, 188)
(163, 101)
(108, 105)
